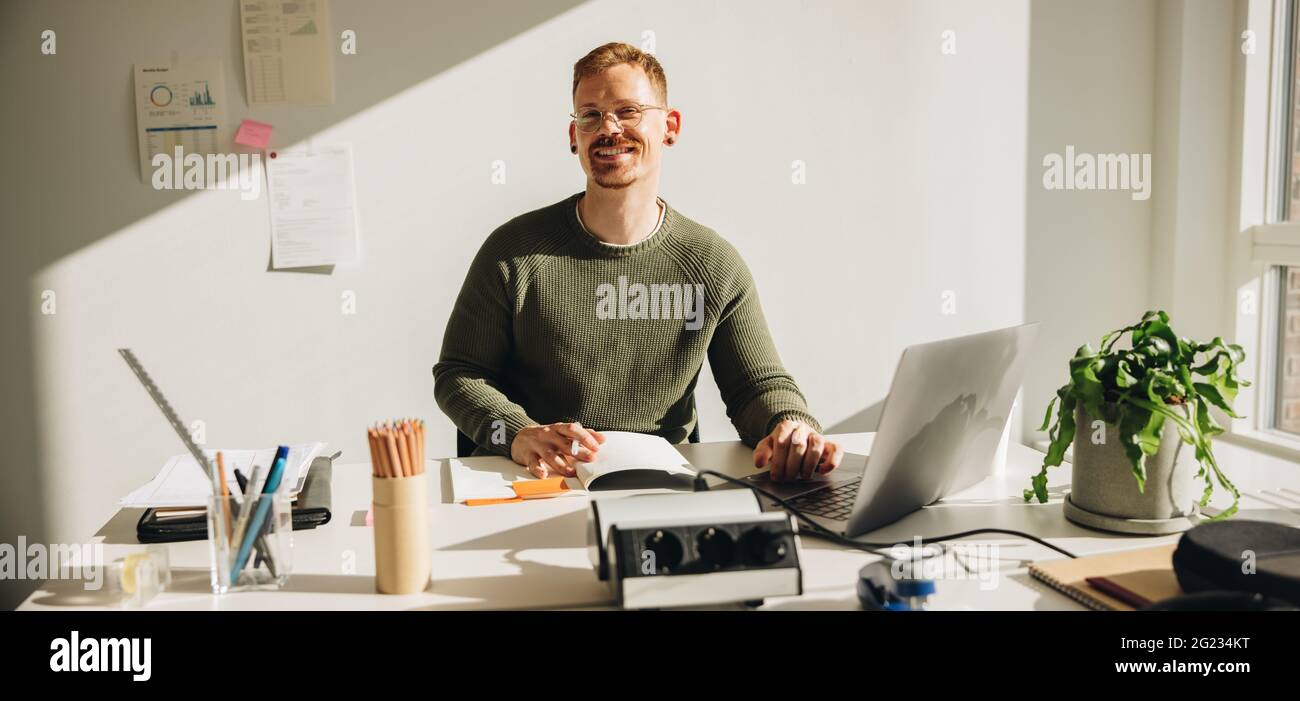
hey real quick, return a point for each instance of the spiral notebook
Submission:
(1113, 581)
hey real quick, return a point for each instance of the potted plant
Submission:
(1141, 413)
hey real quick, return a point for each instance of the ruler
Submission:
(177, 425)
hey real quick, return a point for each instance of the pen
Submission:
(263, 547)
(250, 489)
(263, 503)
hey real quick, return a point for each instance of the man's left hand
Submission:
(795, 451)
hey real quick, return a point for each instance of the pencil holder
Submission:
(250, 542)
(402, 537)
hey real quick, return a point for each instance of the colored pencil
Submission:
(374, 455)
(397, 448)
(403, 449)
(394, 457)
(381, 442)
(423, 457)
(225, 492)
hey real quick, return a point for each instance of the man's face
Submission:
(616, 156)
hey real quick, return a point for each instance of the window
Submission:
(1289, 98)
(1286, 404)
(1277, 241)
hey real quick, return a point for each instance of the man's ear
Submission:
(573, 138)
(674, 130)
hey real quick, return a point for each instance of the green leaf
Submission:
(1087, 387)
(1205, 421)
(1047, 417)
(1211, 393)
(1131, 425)
(1210, 367)
(1151, 426)
(1123, 376)
(1061, 435)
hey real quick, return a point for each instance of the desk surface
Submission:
(533, 554)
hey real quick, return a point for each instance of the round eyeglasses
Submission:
(590, 119)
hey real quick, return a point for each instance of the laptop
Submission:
(939, 431)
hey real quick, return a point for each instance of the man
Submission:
(596, 313)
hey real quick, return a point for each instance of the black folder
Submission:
(310, 509)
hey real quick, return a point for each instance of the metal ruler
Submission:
(168, 412)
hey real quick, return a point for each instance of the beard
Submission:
(616, 179)
(615, 176)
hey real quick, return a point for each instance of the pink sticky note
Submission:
(370, 516)
(255, 134)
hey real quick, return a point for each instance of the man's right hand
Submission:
(547, 450)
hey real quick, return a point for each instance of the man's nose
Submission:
(609, 125)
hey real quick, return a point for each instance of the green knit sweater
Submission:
(554, 325)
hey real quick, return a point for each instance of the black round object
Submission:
(667, 549)
(762, 548)
(717, 548)
(1244, 556)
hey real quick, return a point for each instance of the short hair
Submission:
(606, 56)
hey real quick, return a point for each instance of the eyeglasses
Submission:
(591, 119)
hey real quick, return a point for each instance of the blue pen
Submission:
(250, 535)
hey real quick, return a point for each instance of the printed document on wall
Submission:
(287, 52)
(313, 206)
(178, 106)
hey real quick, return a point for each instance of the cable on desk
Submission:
(822, 533)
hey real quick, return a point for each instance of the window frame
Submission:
(1275, 242)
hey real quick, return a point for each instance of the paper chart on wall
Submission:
(287, 51)
(179, 105)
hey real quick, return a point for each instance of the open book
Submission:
(624, 461)
(635, 461)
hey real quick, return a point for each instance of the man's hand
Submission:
(795, 451)
(547, 450)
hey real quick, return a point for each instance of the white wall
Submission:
(1092, 85)
(916, 186)
(1194, 110)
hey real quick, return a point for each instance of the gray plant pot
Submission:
(1104, 492)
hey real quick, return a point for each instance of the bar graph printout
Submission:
(179, 105)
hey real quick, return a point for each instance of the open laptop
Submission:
(939, 431)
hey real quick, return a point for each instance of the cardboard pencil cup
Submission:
(402, 537)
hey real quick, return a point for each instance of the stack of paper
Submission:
(182, 482)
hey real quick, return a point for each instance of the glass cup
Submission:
(250, 542)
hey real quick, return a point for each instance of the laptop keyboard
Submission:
(834, 503)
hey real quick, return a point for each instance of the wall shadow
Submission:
(407, 43)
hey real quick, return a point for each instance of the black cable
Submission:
(821, 532)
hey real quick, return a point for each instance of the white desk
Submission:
(533, 554)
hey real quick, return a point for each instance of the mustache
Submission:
(611, 142)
